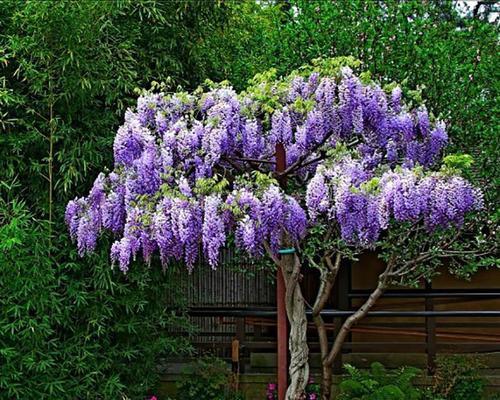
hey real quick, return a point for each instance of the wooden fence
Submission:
(450, 316)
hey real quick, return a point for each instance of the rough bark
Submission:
(359, 314)
(328, 270)
(326, 381)
(296, 313)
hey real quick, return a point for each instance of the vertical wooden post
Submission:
(235, 363)
(280, 298)
(240, 339)
(430, 330)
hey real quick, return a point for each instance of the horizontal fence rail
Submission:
(435, 293)
(245, 314)
(271, 313)
(262, 317)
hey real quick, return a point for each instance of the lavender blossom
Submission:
(214, 235)
(183, 171)
(317, 196)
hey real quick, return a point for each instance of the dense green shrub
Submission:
(208, 378)
(30, 305)
(457, 378)
(68, 71)
(71, 329)
(379, 384)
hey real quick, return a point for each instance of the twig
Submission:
(254, 160)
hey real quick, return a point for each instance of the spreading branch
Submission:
(328, 271)
(384, 280)
(252, 160)
(300, 161)
(271, 254)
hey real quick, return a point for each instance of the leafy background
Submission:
(74, 328)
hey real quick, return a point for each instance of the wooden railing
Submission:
(254, 326)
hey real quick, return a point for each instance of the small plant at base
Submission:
(207, 379)
(312, 391)
(379, 384)
(458, 378)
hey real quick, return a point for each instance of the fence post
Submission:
(237, 343)
(430, 330)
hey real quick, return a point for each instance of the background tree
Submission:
(435, 47)
(73, 328)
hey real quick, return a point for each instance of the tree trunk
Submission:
(328, 270)
(348, 324)
(326, 381)
(296, 313)
(357, 316)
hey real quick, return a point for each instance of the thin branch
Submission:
(298, 164)
(303, 157)
(457, 253)
(318, 158)
(324, 290)
(334, 267)
(254, 160)
(42, 134)
(401, 271)
(40, 115)
(424, 256)
(452, 240)
(328, 271)
(314, 263)
(328, 274)
(233, 164)
(322, 335)
(271, 254)
(359, 314)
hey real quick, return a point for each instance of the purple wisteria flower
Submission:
(365, 204)
(214, 235)
(184, 169)
(317, 200)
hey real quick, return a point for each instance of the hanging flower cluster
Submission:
(180, 160)
(364, 203)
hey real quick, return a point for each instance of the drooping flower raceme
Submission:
(182, 177)
(364, 206)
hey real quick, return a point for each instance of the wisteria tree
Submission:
(198, 171)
